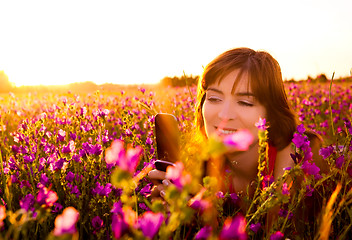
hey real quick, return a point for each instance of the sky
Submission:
(134, 42)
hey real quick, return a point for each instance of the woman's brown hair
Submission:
(265, 80)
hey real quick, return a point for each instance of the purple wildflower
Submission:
(57, 207)
(146, 190)
(204, 233)
(27, 202)
(96, 149)
(118, 226)
(255, 227)
(234, 197)
(117, 208)
(28, 158)
(14, 179)
(340, 161)
(234, 228)
(13, 164)
(57, 165)
(326, 152)
(150, 223)
(97, 223)
(73, 136)
(77, 158)
(144, 206)
(310, 168)
(106, 190)
(70, 176)
(301, 129)
(121, 220)
(75, 191)
(149, 141)
(299, 140)
(98, 188)
(61, 135)
(277, 236)
(309, 191)
(220, 194)
(69, 148)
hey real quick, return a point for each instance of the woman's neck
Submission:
(244, 168)
(244, 164)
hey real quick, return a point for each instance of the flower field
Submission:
(74, 166)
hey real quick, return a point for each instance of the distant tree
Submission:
(180, 81)
(321, 78)
(5, 85)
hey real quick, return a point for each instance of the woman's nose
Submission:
(227, 111)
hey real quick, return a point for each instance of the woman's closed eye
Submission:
(214, 99)
(245, 103)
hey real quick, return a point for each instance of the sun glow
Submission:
(50, 43)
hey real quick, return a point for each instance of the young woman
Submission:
(236, 89)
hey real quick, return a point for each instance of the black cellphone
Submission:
(162, 165)
(167, 136)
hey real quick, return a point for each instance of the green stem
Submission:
(136, 201)
(330, 109)
(262, 158)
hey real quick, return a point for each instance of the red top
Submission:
(272, 151)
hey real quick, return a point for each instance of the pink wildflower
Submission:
(285, 189)
(46, 197)
(2, 215)
(117, 155)
(65, 223)
(261, 124)
(61, 135)
(240, 140)
(150, 223)
(177, 175)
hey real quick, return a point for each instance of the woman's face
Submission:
(231, 111)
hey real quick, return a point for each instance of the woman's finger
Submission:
(166, 182)
(157, 189)
(156, 175)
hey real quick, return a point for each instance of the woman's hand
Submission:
(160, 182)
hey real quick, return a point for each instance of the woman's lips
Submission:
(225, 131)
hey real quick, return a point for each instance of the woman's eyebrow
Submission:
(239, 94)
(215, 90)
(249, 94)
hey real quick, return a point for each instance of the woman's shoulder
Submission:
(316, 142)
